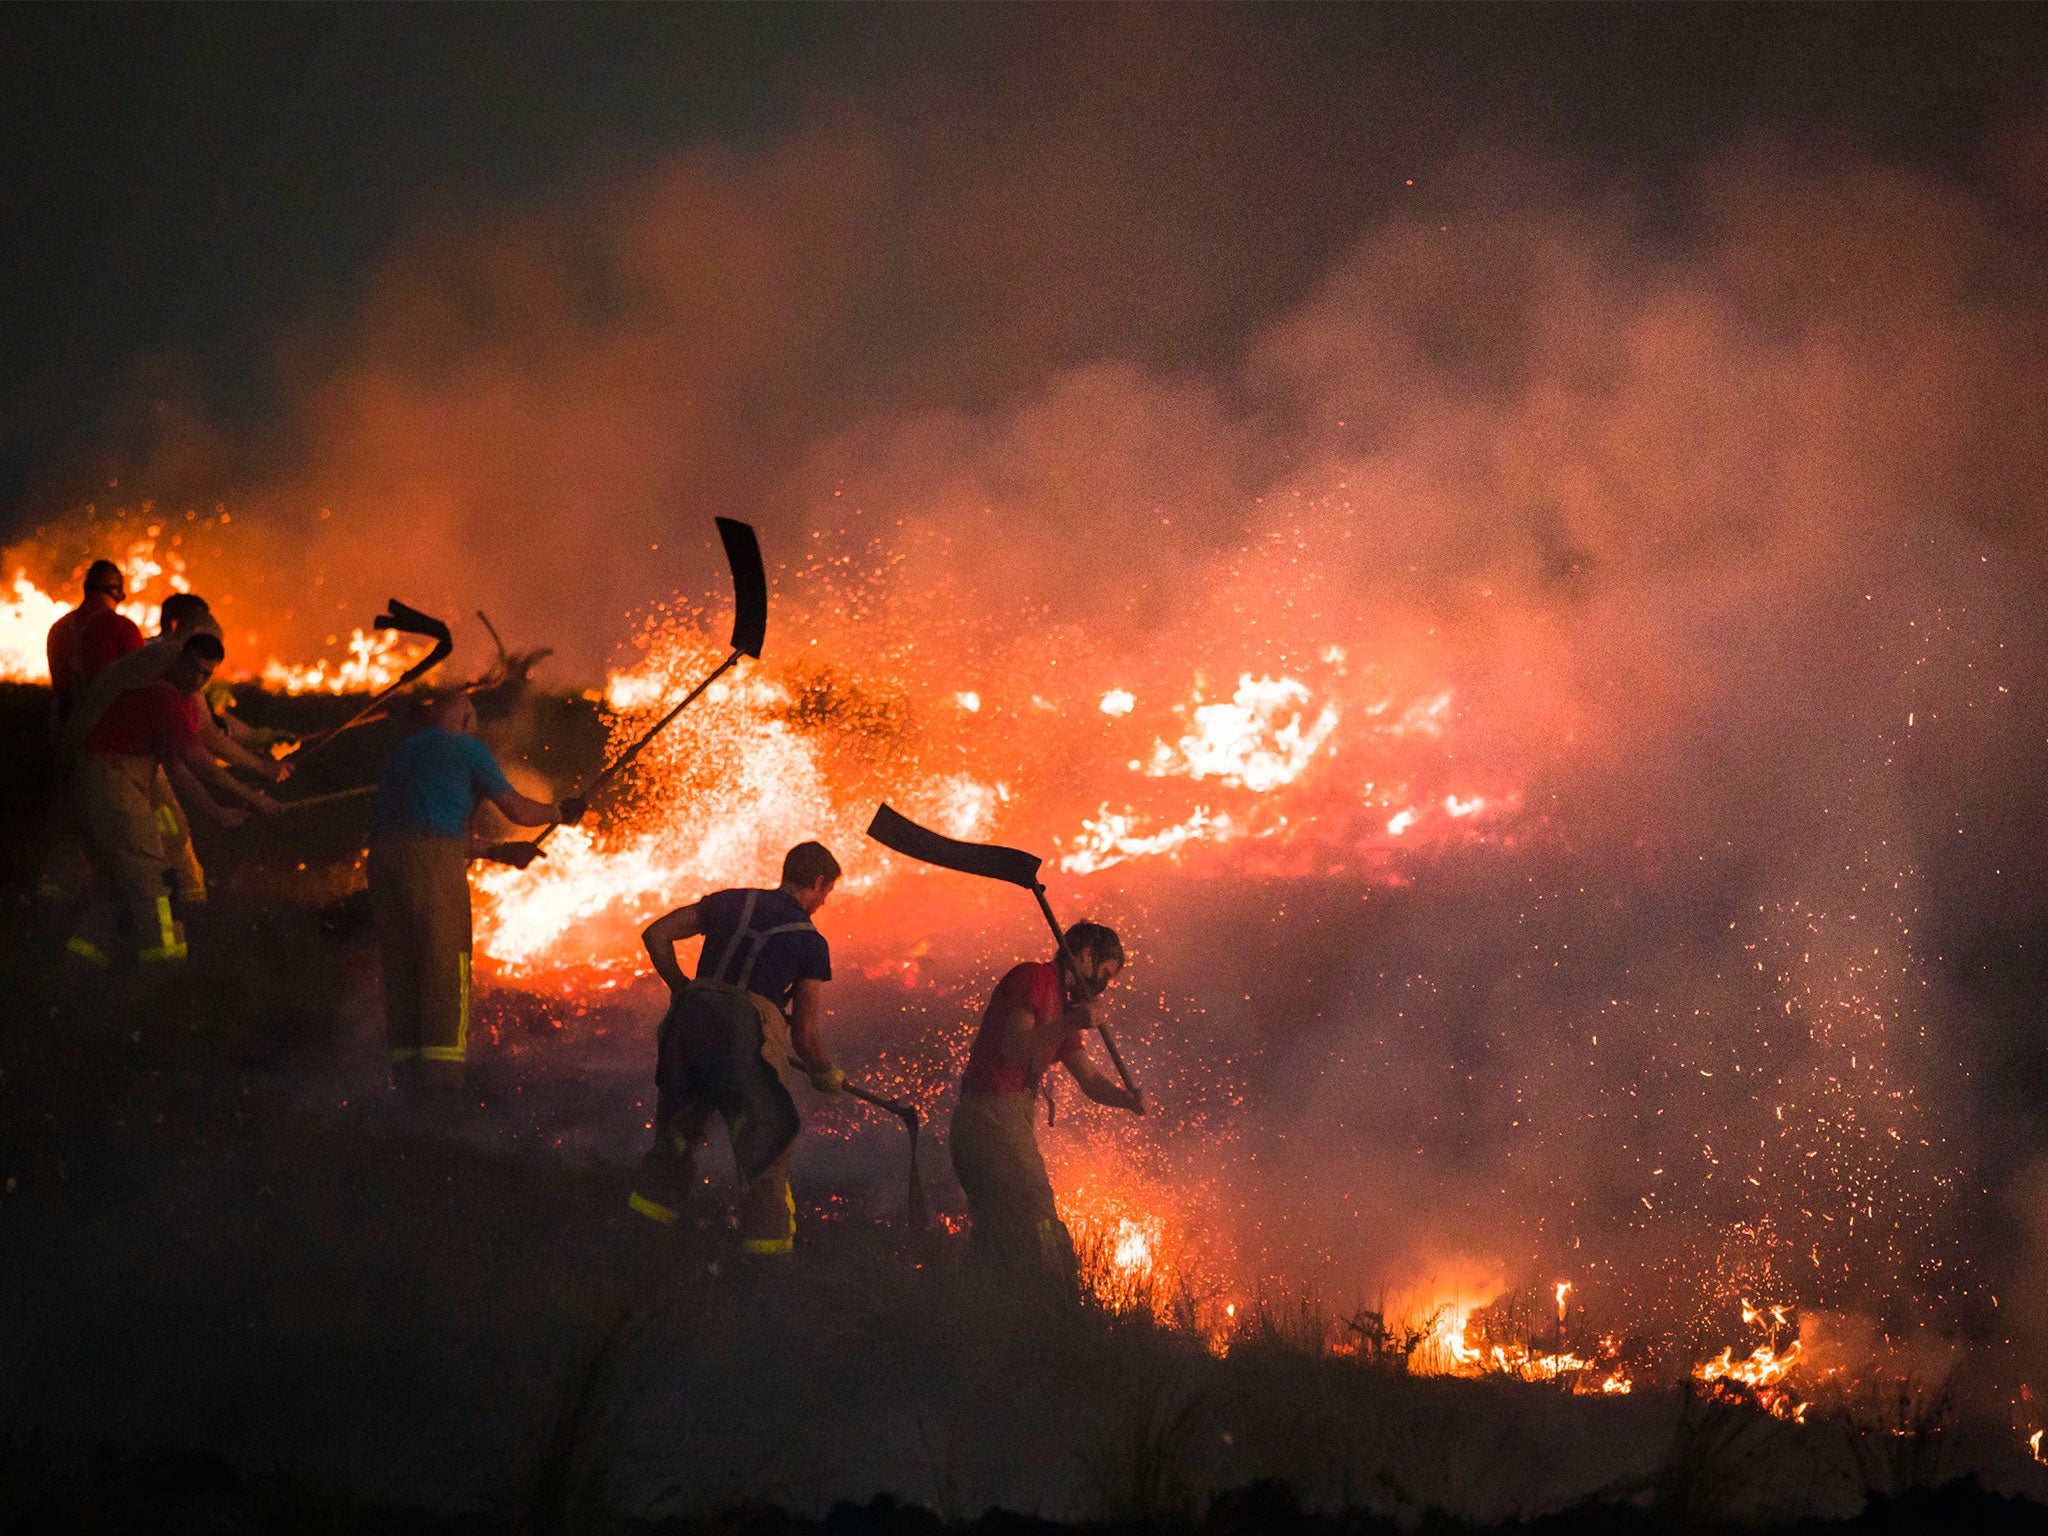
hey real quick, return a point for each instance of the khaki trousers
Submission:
(129, 905)
(419, 894)
(1016, 1225)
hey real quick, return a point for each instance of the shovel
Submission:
(749, 626)
(409, 621)
(992, 862)
(907, 1113)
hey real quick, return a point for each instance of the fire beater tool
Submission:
(992, 862)
(409, 621)
(749, 626)
(907, 1113)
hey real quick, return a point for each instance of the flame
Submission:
(374, 662)
(153, 565)
(1244, 742)
(25, 620)
(149, 574)
(1303, 765)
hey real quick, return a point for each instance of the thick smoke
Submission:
(1724, 526)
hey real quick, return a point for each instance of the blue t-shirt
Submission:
(783, 961)
(433, 781)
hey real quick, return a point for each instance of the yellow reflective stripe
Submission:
(650, 1209)
(167, 924)
(768, 1245)
(167, 821)
(89, 952)
(404, 1053)
(459, 1051)
(159, 956)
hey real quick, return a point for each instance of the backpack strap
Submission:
(756, 939)
(738, 932)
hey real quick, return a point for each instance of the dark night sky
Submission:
(184, 180)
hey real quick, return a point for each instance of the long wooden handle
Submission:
(626, 757)
(907, 1113)
(1074, 967)
(426, 664)
(339, 794)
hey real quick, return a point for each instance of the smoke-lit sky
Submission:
(1667, 383)
(191, 192)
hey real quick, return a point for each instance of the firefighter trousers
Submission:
(129, 904)
(188, 880)
(667, 1177)
(1016, 1227)
(419, 895)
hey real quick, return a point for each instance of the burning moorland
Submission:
(1554, 724)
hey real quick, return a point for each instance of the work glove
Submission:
(571, 810)
(829, 1081)
(518, 855)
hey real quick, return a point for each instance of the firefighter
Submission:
(143, 732)
(183, 615)
(85, 639)
(731, 1038)
(420, 849)
(1035, 1017)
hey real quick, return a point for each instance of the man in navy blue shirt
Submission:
(420, 848)
(732, 1035)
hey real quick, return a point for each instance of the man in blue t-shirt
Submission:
(420, 848)
(732, 1034)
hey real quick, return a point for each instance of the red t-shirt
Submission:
(1034, 985)
(157, 721)
(107, 636)
(62, 646)
(83, 641)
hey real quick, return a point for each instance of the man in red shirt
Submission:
(184, 615)
(89, 636)
(145, 729)
(1033, 1019)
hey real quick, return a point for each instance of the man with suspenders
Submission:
(732, 1037)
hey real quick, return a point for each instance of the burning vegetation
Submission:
(1551, 713)
(1326, 768)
